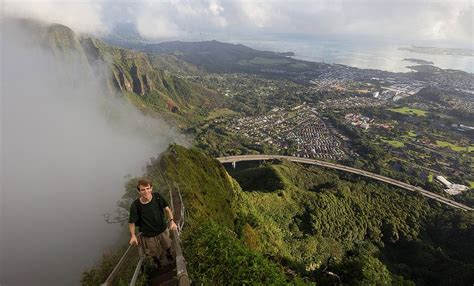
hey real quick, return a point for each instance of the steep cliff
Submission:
(152, 82)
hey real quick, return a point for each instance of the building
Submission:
(444, 181)
(452, 189)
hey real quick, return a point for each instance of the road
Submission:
(441, 199)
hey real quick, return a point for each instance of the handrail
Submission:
(117, 267)
(141, 254)
(180, 215)
(137, 271)
(181, 222)
(182, 273)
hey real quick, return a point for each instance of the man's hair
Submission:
(144, 182)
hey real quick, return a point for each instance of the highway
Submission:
(441, 199)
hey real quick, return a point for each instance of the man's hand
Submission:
(173, 225)
(133, 240)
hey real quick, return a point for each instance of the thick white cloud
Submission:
(180, 19)
(428, 20)
(258, 14)
(157, 25)
(175, 19)
(399, 19)
(82, 16)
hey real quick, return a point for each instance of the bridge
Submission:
(403, 185)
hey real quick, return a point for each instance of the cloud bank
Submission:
(184, 19)
(83, 16)
(66, 147)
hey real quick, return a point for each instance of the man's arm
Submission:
(133, 218)
(169, 214)
(133, 237)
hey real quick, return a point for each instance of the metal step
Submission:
(164, 276)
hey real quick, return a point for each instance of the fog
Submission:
(66, 147)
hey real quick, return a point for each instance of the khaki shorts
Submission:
(156, 246)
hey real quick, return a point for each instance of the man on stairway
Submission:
(148, 213)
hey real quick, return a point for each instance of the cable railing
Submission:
(178, 216)
(141, 254)
(126, 256)
(181, 277)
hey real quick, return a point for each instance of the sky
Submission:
(448, 22)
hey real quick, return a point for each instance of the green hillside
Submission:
(154, 83)
(213, 251)
(214, 56)
(291, 224)
(363, 228)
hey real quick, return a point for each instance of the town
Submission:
(297, 132)
(420, 123)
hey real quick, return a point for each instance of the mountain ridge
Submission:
(226, 57)
(151, 82)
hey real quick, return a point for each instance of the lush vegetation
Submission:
(455, 147)
(318, 217)
(212, 249)
(394, 143)
(264, 61)
(411, 111)
(214, 254)
(217, 257)
(284, 223)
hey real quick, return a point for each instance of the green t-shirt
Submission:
(149, 217)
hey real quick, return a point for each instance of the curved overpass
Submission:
(441, 199)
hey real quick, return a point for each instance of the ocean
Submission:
(365, 55)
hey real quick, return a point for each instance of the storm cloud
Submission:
(66, 149)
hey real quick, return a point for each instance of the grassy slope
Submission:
(410, 111)
(455, 147)
(214, 254)
(313, 206)
(294, 218)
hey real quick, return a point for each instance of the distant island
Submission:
(418, 61)
(439, 51)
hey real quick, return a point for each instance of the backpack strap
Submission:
(138, 205)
